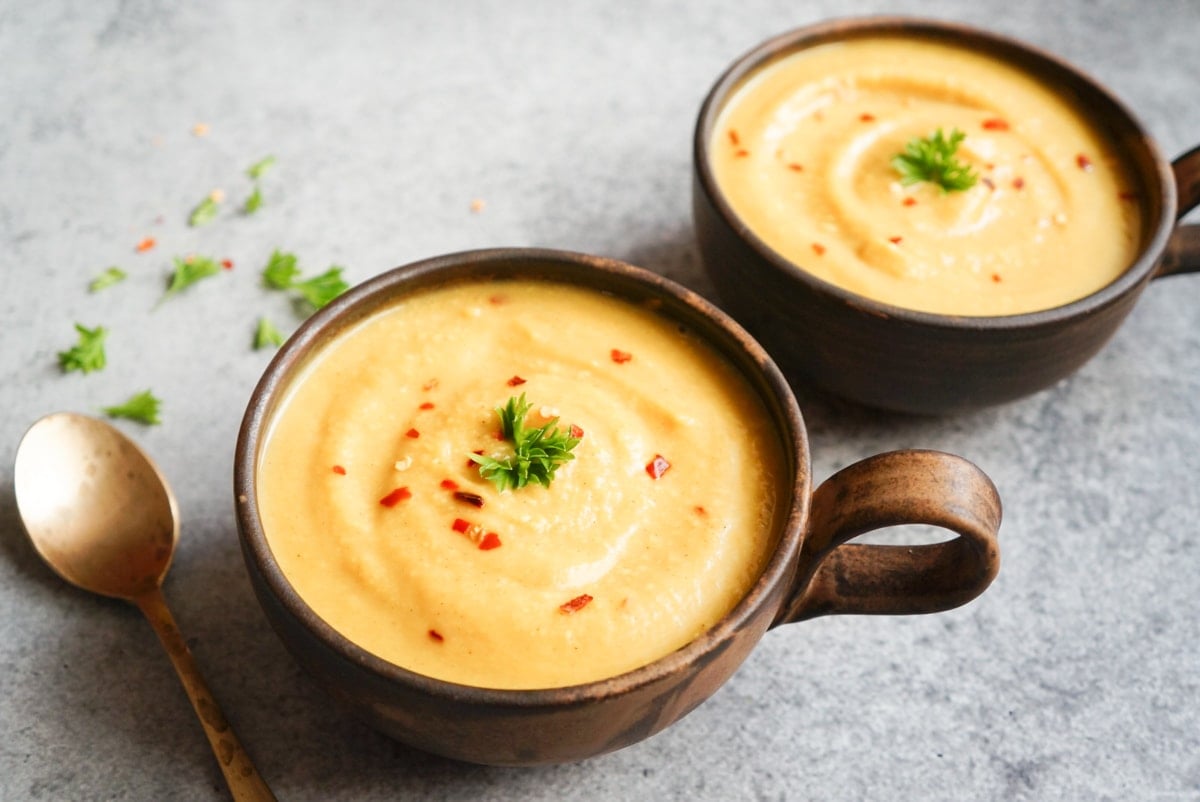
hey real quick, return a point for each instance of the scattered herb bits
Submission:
(266, 335)
(282, 273)
(260, 167)
(87, 354)
(188, 270)
(253, 202)
(206, 211)
(142, 407)
(110, 276)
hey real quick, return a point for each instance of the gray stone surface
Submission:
(1077, 676)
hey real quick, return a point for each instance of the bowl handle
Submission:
(899, 487)
(1183, 249)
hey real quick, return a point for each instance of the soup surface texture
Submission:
(804, 154)
(652, 532)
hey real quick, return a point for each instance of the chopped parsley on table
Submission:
(142, 407)
(189, 270)
(111, 276)
(87, 354)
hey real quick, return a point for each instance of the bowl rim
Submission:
(375, 293)
(1039, 62)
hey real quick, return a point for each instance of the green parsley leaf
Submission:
(280, 271)
(111, 276)
(320, 290)
(266, 335)
(536, 453)
(189, 270)
(88, 354)
(932, 159)
(204, 213)
(260, 167)
(141, 407)
(253, 202)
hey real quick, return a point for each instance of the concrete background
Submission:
(1077, 676)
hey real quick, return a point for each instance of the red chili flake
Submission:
(576, 432)
(575, 605)
(449, 484)
(1018, 183)
(741, 153)
(995, 124)
(412, 433)
(339, 470)
(496, 300)
(500, 435)
(429, 385)
(657, 466)
(1127, 195)
(435, 635)
(909, 201)
(145, 245)
(818, 248)
(515, 381)
(796, 167)
(734, 139)
(460, 525)
(895, 240)
(867, 118)
(474, 499)
(1084, 163)
(395, 497)
(472, 463)
(996, 278)
(227, 264)
(490, 541)
(620, 357)
(427, 405)
(699, 510)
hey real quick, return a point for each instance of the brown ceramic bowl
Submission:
(894, 358)
(810, 572)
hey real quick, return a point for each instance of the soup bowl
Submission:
(898, 358)
(810, 571)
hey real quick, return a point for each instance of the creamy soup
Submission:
(656, 528)
(804, 154)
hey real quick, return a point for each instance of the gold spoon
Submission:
(102, 516)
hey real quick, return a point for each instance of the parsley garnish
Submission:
(253, 202)
(281, 273)
(266, 335)
(537, 453)
(111, 276)
(88, 354)
(932, 159)
(141, 407)
(188, 271)
(205, 212)
(261, 166)
(320, 290)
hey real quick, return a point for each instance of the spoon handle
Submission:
(243, 779)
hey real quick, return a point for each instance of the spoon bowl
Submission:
(103, 517)
(122, 546)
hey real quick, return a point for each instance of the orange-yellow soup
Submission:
(606, 570)
(803, 153)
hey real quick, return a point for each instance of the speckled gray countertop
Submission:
(1076, 676)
